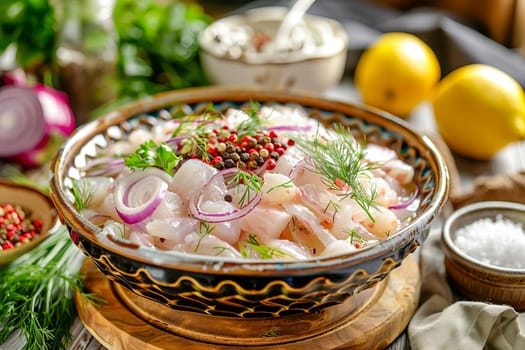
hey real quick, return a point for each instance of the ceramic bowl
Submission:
(228, 60)
(185, 292)
(476, 279)
(37, 204)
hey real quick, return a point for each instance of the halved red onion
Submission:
(22, 122)
(138, 195)
(405, 204)
(57, 113)
(195, 210)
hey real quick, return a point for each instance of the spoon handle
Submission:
(293, 17)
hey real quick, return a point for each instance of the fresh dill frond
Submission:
(272, 332)
(220, 250)
(200, 128)
(82, 192)
(338, 159)
(204, 229)
(252, 183)
(197, 122)
(250, 126)
(37, 293)
(266, 252)
(335, 206)
(287, 184)
(354, 237)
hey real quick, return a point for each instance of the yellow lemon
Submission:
(479, 110)
(397, 73)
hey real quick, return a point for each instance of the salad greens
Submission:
(158, 46)
(31, 26)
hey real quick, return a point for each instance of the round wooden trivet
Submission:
(116, 327)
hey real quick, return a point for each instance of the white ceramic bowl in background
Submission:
(314, 68)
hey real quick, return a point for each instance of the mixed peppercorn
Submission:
(227, 149)
(16, 227)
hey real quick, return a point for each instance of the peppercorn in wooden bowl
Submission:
(195, 284)
(26, 216)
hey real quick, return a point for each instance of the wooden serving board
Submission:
(375, 327)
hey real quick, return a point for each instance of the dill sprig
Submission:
(37, 293)
(338, 159)
(198, 123)
(287, 184)
(354, 237)
(83, 193)
(266, 252)
(253, 124)
(200, 128)
(204, 230)
(252, 183)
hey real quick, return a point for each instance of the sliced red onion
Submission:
(177, 139)
(57, 113)
(405, 204)
(138, 195)
(22, 122)
(234, 214)
(103, 166)
(290, 128)
(298, 166)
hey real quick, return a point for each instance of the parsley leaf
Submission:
(150, 155)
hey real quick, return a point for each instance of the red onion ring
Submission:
(22, 121)
(289, 128)
(235, 214)
(405, 204)
(138, 195)
(103, 166)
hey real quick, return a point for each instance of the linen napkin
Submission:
(444, 321)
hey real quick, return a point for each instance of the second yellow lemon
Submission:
(397, 73)
(479, 110)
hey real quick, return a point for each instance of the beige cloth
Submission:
(443, 321)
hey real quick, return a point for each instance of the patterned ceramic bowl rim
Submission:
(219, 265)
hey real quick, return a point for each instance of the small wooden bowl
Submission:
(477, 280)
(38, 204)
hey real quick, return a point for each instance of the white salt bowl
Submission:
(227, 59)
(497, 278)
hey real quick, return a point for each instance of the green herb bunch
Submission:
(31, 26)
(158, 46)
(36, 294)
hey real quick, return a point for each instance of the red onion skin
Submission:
(128, 214)
(57, 113)
(58, 116)
(15, 77)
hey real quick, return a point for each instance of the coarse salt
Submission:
(495, 241)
